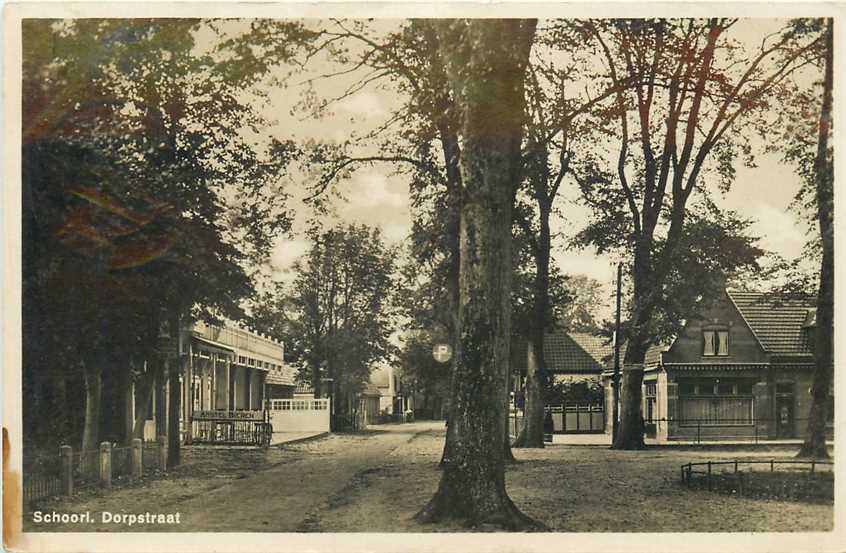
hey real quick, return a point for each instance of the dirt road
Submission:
(303, 479)
(376, 481)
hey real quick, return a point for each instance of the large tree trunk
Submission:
(146, 385)
(531, 435)
(814, 444)
(90, 432)
(126, 404)
(485, 62)
(444, 117)
(315, 382)
(174, 412)
(536, 375)
(630, 429)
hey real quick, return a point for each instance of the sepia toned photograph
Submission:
(453, 276)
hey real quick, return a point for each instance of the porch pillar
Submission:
(188, 388)
(248, 381)
(672, 410)
(230, 378)
(213, 385)
(221, 384)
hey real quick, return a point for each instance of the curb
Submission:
(301, 440)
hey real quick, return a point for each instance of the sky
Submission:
(375, 196)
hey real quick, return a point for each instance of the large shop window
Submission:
(716, 343)
(716, 401)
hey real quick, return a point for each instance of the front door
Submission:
(784, 412)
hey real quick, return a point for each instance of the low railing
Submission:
(42, 477)
(54, 475)
(707, 468)
(231, 432)
(753, 429)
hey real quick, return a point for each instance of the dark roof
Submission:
(568, 352)
(778, 324)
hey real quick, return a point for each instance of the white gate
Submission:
(298, 415)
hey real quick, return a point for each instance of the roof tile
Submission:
(567, 352)
(781, 325)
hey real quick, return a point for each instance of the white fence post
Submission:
(106, 464)
(137, 452)
(66, 453)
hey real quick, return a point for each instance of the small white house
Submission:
(392, 399)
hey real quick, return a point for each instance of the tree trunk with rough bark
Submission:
(91, 429)
(315, 382)
(174, 411)
(486, 60)
(142, 405)
(814, 444)
(630, 429)
(536, 375)
(531, 435)
(443, 116)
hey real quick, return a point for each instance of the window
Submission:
(784, 388)
(715, 343)
(725, 388)
(705, 387)
(719, 411)
(716, 401)
(651, 389)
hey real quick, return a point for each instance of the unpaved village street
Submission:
(376, 480)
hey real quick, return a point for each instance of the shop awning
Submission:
(212, 346)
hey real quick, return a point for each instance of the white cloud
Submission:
(284, 254)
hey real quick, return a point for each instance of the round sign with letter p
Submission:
(442, 353)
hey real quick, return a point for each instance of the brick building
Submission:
(740, 369)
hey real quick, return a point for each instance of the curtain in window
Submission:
(721, 410)
(709, 336)
(722, 342)
(716, 342)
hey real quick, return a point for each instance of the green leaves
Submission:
(144, 188)
(338, 314)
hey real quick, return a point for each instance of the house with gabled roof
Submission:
(742, 368)
(573, 357)
(576, 356)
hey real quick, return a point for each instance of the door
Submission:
(784, 410)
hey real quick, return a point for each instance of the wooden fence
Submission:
(52, 476)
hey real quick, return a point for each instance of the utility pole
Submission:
(616, 377)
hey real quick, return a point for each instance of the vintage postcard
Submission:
(421, 277)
